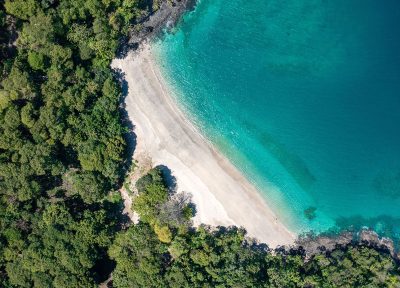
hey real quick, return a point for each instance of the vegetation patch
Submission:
(63, 152)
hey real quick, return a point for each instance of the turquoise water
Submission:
(304, 97)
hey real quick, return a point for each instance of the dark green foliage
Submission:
(91, 187)
(62, 150)
(7, 35)
(61, 139)
(61, 249)
(140, 258)
(354, 266)
(2, 19)
(220, 258)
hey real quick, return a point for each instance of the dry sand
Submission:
(220, 192)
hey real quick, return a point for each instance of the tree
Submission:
(18, 85)
(90, 186)
(4, 99)
(23, 9)
(152, 194)
(36, 60)
(61, 142)
(62, 149)
(28, 115)
(164, 234)
(39, 34)
(139, 257)
(63, 249)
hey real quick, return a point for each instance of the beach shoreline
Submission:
(222, 195)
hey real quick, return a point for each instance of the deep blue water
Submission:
(304, 97)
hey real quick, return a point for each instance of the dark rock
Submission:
(167, 16)
(151, 25)
(314, 244)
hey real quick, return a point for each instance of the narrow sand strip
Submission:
(221, 194)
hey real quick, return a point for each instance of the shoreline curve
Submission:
(222, 195)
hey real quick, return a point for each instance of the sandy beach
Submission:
(222, 195)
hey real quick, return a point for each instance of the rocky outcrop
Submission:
(149, 26)
(313, 244)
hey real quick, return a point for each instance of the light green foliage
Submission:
(164, 234)
(178, 247)
(39, 33)
(80, 34)
(22, 9)
(28, 115)
(152, 194)
(36, 60)
(18, 85)
(4, 99)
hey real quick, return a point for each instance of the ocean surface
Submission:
(304, 97)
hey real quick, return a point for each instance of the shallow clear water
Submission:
(304, 97)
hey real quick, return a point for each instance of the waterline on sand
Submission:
(222, 195)
(303, 98)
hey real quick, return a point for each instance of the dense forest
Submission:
(63, 157)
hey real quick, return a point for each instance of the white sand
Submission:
(220, 192)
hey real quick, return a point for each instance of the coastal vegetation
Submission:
(62, 142)
(63, 155)
(160, 251)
